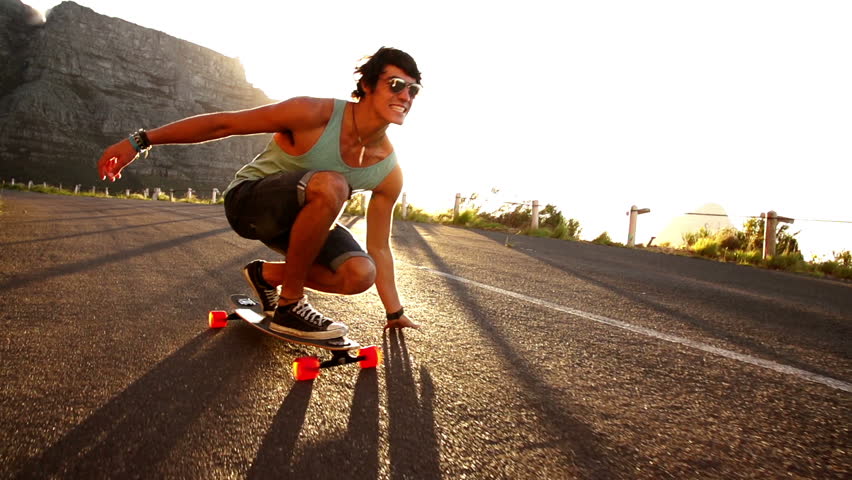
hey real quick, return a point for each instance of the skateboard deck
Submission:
(250, 311)
(304, 368)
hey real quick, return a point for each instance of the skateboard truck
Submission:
(308, 368)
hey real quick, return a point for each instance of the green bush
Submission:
(466, 218)
(569, 230)
(751, 257)
(691, 238)
(538, 232)
(828, 268)
(707, 247)
(788, 261)
(603, 239)
(729, 240)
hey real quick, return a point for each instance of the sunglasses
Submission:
(397, 85)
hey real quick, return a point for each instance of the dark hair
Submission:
(368, 73)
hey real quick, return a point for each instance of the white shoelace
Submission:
(271, 295)
(309, 313)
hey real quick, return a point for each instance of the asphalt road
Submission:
(542, 359)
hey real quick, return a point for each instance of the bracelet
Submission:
(143, 135)
(133, 143)
(139, 141)
(396, 315)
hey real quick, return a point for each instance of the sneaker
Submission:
(301, 319)
(267, 294)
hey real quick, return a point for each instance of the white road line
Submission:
(740, 357)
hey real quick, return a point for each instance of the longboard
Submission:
(304, 368)
(249, 310)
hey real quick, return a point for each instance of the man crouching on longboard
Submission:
(290, 196)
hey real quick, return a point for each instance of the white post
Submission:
(30, 185)
(13, 182)
(631, 233)
(457, 206)
(127, 193)
(76, 189)
(404, 205)
(145, 193)
(156, 195)
(106, 191)
(171, 195)
(769, 232)
(534, 222)
(189, 194)
(215, 195)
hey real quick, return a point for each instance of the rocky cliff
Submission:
(80, 81)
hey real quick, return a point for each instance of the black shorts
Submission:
(265, 210)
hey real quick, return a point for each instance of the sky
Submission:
(593, 106)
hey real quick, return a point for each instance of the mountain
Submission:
(79, 81)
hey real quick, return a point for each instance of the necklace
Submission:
(357, 134)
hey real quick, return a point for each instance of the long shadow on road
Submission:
(413, 444)
(582, 448)
(135, 431)
(120, 256)
(355, 454)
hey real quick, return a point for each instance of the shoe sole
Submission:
(324, 335)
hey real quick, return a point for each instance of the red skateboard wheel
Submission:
(217, 319)
(306, 368)
(373, 356)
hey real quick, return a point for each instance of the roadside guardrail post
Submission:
(631, 233)
(456, 207)
(404, 205)
(770, 231)
(534, 220)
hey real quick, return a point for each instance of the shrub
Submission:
(729, 239)
(787, 261)
(466, 217)
(828, 268)
(538, 232)
(706, 247)
(691, 238)
(751, 257)
(843, 258)
(569, 230)
(603, 239)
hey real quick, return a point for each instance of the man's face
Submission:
(394, 94)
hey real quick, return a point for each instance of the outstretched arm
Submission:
(379, 219)
(290, 115)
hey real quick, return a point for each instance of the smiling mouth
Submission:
(398, 108)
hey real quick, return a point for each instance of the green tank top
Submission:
(323, 156)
